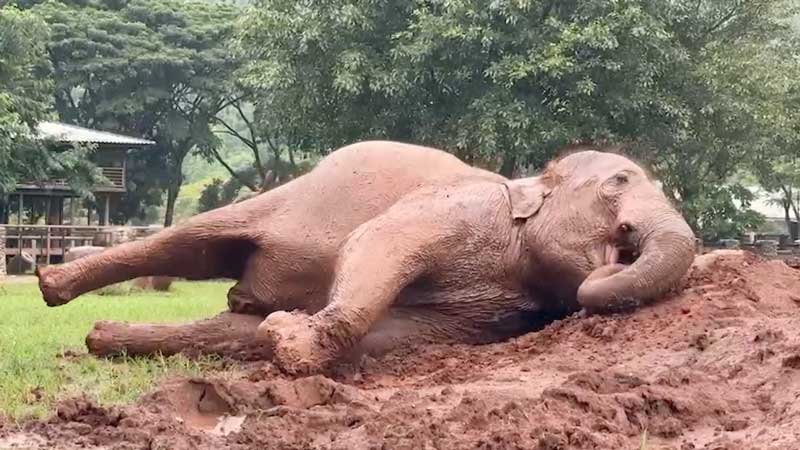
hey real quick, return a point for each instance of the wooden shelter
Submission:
(56, 204)
(110, 157)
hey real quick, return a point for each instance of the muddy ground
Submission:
(716, 366)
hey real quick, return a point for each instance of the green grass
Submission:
(33, 377)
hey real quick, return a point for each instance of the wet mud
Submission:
(715, 366)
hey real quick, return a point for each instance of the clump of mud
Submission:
(715, 367)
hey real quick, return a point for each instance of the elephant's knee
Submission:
(242, 301)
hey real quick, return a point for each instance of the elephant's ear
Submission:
(526, 196)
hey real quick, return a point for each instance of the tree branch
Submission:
(727, 17)
(230, 101)
(233, 173)
(231, 131)
(259, 165)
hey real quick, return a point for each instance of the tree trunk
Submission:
(508, 166)
(172, 197)
(175, 182)
(292, 163)
(790, 203)
(786, 208)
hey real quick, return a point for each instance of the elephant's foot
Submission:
(228, 334)
(294, 342)
(53, 286)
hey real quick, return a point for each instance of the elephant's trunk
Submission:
(667, 251)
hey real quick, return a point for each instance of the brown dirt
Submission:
(716, 367)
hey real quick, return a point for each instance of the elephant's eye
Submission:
(621, 178)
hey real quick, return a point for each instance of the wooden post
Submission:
(19, 217)
(48, 221)
(106, 214)
(55, 211)
(48, 243)
(72, 210)
(3, 270)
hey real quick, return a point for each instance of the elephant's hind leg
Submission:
(215, 244)
(228, 334)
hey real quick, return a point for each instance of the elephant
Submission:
(151, 283)
(386, 243)
(21, 263)
(81, 251)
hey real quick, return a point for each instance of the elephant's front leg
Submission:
(379, 259)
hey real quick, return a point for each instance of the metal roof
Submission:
(62, 132)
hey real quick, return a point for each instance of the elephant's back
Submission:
(358, 182)
(396, 162)
(377, 152)
(378, 173)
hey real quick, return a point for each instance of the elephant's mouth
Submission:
(624, 247)
(627, 256)
(615, 254)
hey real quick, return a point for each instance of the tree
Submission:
(237, 126)
(219, 193)
(505, 85)
(776, 161)
(25, 90)
(149, 67)
(724, 87)
(210, 198)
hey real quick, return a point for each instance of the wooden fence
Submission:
(49, 243)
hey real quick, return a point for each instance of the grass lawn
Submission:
(32, 336)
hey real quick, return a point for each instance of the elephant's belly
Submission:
(479, 314)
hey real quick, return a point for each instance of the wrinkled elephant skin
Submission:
(156, 283)
(385, 242)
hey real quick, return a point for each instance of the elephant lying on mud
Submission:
(386, 242)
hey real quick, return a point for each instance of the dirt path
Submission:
(716, 367)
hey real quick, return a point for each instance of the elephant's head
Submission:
(597, 221)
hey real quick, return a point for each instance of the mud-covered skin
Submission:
(460, 253)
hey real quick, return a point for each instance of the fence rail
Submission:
(47, 243)
(114, 175)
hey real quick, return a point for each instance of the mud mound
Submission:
(715, 366)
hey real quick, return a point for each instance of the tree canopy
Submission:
(26, 99)
(149, 67)
(506, 84)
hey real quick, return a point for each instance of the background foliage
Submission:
(25, 97)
